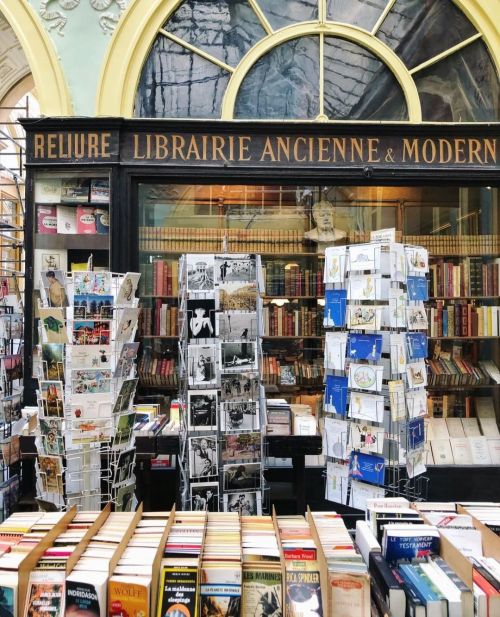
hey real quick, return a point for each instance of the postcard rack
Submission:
(375, 371)
(85, 437)
(222, 396)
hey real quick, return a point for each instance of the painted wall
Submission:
(81, 31)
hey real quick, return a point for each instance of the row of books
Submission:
(285, 321)
(52, 190)
(291, 280)
(187, 239)
(298, 372)
(455, 372)
(155, 371)
(161, 320)
(70, 220)
(484, 425)
(463, 319)
(485, 244)
(471, 277)
(160, 278)
(464, 451)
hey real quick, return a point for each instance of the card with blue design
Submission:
(336, 394)
(367, 467)
(364, 346)
(335, 305)
(417, 288)
(416, 343)
(413, 434)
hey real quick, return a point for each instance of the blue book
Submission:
(415, 604)
(367, 467)
(364, 346)
(423, 591)
(335, 308)
(417, 288)
(416, 343)
(416, 542)
(336, 394)
(445, 322)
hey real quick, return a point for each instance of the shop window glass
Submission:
(420, 29)
(283, 84)
(225, 29)
(362, 13)
(358, 85)
(463, 87)
(176, 83)
(281, 14)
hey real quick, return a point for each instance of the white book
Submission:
(366, 540)
(485, 407)
(66, 220)
(491, 369)
(468, 541)
(471, 427)
(441, 452)
(438, 429)
(480, 601)
(494, 449)
(455, 428)
(447, 588)
(480, 451)
(460, 448)
(489, 427)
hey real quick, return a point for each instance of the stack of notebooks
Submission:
(262, 572)
(221, 568)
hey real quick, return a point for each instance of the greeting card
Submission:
(364, 346)
(335, 306)
(416, 343)
(335, 350)
(418, 288)
(366, 377)
(335, 264)
(336, 394)
(368, 407)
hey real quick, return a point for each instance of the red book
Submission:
(490, 591)
(85, 220)
(46, 220)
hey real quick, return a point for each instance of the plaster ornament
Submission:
(49, 11)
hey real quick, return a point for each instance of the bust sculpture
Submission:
(324, 233)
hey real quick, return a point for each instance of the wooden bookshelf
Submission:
(462, 338)
(478, 386)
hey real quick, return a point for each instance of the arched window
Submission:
(323, 60)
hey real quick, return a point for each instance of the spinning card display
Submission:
(201, 318)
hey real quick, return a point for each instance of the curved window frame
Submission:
(324, 27)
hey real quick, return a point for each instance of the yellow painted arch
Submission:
(139, 25)
(52, 91)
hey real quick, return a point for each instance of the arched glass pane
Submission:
(362, 13)
(225, 29)
(420, 29)
(176, 83)
(463, 87)
(283, 84)
(283, 13)
(358, 86)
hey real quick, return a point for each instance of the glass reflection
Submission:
(283, 84)
(282, 14)
(176, 83)
(362, 13)
(461, 88)
(420, 29)
(358, 85)
(225, 29)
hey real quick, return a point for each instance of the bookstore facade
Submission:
(281, 131)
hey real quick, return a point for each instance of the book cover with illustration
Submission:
(46, 220)
(85, 220)
(45, 596)
(220, 599)
(128, 595)
(178, 588)
(262, 592)
(86, 593)
(303, 593)
(8, 594)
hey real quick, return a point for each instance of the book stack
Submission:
(376, 376)
(485, 244)
(221, 565)
(223, 396)
(292, 320)
(472, 276)
(296, 373)
(157, 371)
(279, 417)
(463, 319)
(262, 587)
(86, 388)
(159, 320)
(445, 371)
(290, 280)
(160, 278)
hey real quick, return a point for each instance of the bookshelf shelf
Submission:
(463, 298)
(272, 338)
(464, 387)
(261, 253)
(292, 297)
(73, 241)
(462, 338)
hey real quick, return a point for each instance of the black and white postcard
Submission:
(200, 272)
(237, 296)
(203, 457)
(205, 497)
(242, 476)
(233, 326)
(235, 268)
(237, 417)
(202, 365)
(246, 503)
(202, 410)
(201, 318)
(238, 356)
(124, 467)
(239, 387)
